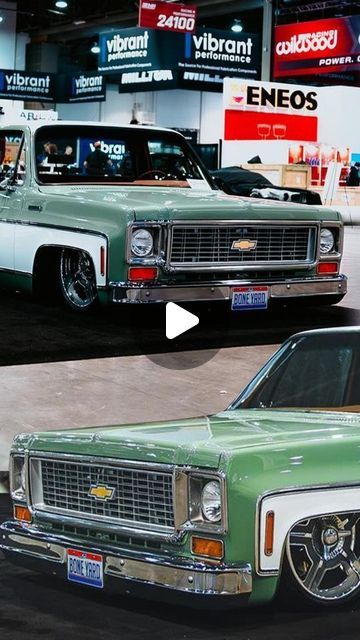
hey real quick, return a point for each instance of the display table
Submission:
(284, 175)
(343, 196)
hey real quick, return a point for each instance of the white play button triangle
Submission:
(178, 320)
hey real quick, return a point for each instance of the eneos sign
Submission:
(269, 110)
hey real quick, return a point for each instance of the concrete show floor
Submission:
(83, 393)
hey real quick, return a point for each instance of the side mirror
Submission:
(7, 185)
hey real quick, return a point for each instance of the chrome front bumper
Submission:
(292, 288)
(125, 570)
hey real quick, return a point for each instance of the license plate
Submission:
(85, 568)
(248, 298)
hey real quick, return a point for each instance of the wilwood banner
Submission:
(319, 46)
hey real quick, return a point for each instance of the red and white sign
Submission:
(167, 16)
(269, 111)
(319, 46)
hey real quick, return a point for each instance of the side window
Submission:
(12, 155)
(171, 160)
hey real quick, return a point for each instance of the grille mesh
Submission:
(139, 496)
(274, 244)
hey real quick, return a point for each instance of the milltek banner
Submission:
(147, 80)
(23, 85)
(223, 52)
(319, 46)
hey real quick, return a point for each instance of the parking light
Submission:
(22, 513)
(327, 267)
(142, 274)
(207, 547)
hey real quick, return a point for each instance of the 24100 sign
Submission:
(180, 23)
(167, 16)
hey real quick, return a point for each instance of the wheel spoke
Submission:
(314, 576)
(350, 562)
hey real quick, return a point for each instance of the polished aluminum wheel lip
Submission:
(328, 553)
(67, 273)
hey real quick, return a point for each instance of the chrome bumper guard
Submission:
(291, 288)
(48, 553)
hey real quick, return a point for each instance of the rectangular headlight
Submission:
(206, 501)
(18, 477)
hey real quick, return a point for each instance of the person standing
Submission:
(97, 162)
(353, 179)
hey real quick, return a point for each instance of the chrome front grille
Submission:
(213, 244)
(135, 496)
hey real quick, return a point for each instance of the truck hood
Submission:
(205, 442)
(171, 203)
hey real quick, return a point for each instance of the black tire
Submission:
(322, 563)
(77, 279)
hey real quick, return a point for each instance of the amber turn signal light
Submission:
(22, 513)
(142, 274)
(328, 267)
(207, 547)
(269, 533)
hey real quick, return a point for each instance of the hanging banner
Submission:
(138, 50)
(319, 46)
(269, 111)
(23, 85)
(147, 80)
(205, 51)
(200, 81)
(83, 87)
(223, 52)
(86, 87)
(167, 16)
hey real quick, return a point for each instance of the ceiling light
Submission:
(95, 48)
(237, 26)
(61, 4)
(1, 18)
(78, 22)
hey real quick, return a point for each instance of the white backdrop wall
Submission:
(340, 116)
(8, 35)
(79, 111)
(172, 108)
(12, 50)
(237, 152)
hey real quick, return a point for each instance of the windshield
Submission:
(75, 153)
(319, 371)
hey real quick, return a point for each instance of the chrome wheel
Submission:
(77, 279)
(323, 555)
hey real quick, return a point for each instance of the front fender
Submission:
(292, 506)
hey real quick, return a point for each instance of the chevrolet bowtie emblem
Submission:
(101, 492)
(244, 245)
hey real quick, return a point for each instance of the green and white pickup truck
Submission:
(216, 510)
(146, 223)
